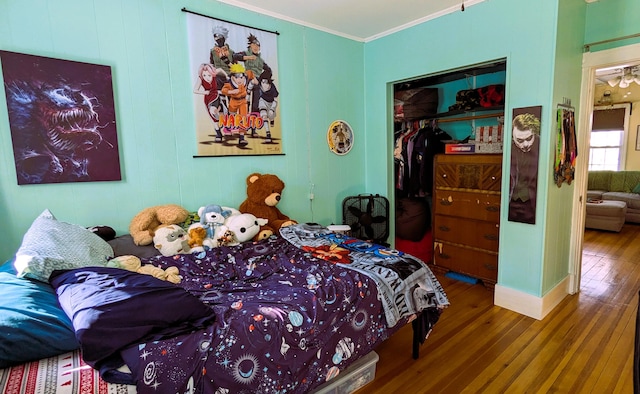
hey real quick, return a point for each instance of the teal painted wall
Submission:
(456, 41)
(611, 19)
(327, 78)
(566, 84)
(145, 43)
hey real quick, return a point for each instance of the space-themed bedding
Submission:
(283, 315)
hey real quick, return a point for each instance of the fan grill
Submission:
(368, 217)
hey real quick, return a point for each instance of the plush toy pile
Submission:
(174, 230)
(145, 223)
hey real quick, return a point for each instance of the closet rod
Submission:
(470, 117)
(587, 47)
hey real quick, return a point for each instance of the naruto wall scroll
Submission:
(234, 71)
(62, 119)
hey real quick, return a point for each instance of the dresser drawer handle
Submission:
(493, 208)
(444, 175)
(446, 202)
(444, 256)
(444, 228)
(490, 267)
(491, 237)
(493, 178)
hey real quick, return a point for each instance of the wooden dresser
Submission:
(466, 214)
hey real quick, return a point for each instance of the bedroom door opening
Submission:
(592, 61)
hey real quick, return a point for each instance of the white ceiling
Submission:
(361, 20)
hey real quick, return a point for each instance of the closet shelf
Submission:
(462, 115)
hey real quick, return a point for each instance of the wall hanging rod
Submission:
(587, 47)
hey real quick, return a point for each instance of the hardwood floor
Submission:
(585, 345)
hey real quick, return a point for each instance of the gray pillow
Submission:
(124, 245)
(52, 245)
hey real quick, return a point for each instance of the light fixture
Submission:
(629, 75)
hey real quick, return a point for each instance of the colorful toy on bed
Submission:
(134, 264)
(264, 192)
(243, 228)
(145, 223)
(212, 219)
(172, 239)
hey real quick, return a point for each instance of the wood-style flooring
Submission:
(585, 345)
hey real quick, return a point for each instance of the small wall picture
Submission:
(340, 137)
(62, 119)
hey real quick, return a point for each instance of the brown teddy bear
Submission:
(263, 194)
(197, 235)
(144, 224)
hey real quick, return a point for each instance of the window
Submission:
(609, 131)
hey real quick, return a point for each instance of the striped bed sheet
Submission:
(63, 374)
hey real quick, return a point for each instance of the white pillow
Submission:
(52, 245)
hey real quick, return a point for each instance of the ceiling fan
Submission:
(629, 75)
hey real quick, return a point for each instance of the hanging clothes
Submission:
(566, 147)
(415, 149)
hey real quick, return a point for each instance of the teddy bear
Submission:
(196, 236)
(143, 226)
(172, 239)
(213, 216)
(242, 228)
(134, 264)
(263, 194)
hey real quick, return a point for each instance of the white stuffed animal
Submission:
(213, 219)
(244, 227)
(171, 239)
(213, 216)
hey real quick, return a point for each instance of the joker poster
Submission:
(236, 101)
(62, 119)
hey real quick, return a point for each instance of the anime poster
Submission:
(62, 119)
(525, 155)
(236, 101)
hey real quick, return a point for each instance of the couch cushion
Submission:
(599, 180)
(632, 199)
(595, 194)
(623, 181)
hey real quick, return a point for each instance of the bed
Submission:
(282, 315)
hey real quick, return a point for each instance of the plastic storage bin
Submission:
(352, 378)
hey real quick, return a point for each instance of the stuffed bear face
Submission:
(245, 226)
(264, 189)
(213, 214)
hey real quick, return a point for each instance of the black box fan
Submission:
(368, 217)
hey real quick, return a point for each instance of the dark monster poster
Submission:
(62, 119)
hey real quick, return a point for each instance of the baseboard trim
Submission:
(527, 304)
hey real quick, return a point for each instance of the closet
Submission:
(430, 112)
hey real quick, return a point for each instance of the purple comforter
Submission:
(284, 322)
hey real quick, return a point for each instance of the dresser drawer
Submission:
(476, 233)
(471, 172)
(472, 205)
(472, 262)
